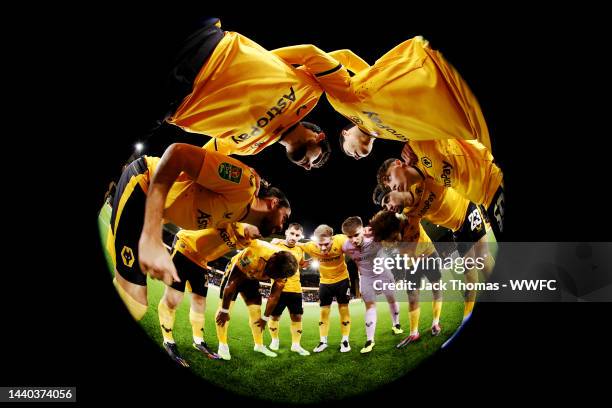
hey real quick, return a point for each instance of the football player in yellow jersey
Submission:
(260, 261)
(465, 165)
(193, 189)
(291, 297)
(391, 228)
(191, 252)
(410, 93)
(206, 93)
(447, 208)
(334, 282)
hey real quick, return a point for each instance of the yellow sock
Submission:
(166, 320)
(415, 315)
(254, 315)
(273, 326)
(296, 332)
(324, 321)
(345, 319)
(197, 324)
(468, 306)
(436, 310)
(136, 309)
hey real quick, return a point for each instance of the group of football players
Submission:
(246, 98)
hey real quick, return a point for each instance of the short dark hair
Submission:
(380, 191)
(296, 225)
(351, 224)
(273, 192)
(385, 224)
(341, 138)
(325, 146)
(382, 170)
(281, 265)
(299, 153)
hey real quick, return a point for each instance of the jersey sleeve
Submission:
(350, 60)
(316, 61)
(309, 248)
(341, 239)
(216, 145)
(227, 176)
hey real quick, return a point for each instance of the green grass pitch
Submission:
(291, 378)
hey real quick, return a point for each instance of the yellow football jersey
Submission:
(245, 97)
(223, 193)
(203, 246)
(332, 266)
(465, 165)
(253, 259)
(440, 205)
(414, 232)
(293, 284)
(410, 93)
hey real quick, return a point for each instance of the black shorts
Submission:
(127, 219)
(340, 290)
(189, 271)
(432, 274)
(495, 213)
(187, 64)
(290, 300)
(472, 230)
(249, 289)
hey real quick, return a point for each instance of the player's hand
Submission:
(222, 317)
(155, 260)
(251, 232)
(305, 263)
(275, 241)
(261, 323)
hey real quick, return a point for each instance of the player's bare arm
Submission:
(275, 293)
(153, 257)
(228, 294)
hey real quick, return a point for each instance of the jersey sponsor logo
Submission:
(203, 219)
(427, 204)
(226, 239)
(283, 103)
(127, 256)
(475, 220)
(426, 161)
(446, 173)
(329, 259)
(229, 172)
(379, 123)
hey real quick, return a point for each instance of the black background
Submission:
(535, 72)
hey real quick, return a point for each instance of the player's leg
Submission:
(342, 291)
(252, 298)
(325, 300)
(223, 349)
(127, 218)
(471, 242)
(394, 307)
(274, 323)
(414, 309)
(296, 310)
(435, 277)
(197, 313)
(368, 295)
(166, 311)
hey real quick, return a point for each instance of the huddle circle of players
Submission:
(446, 175)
